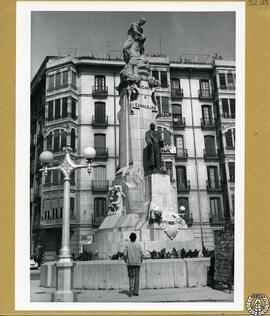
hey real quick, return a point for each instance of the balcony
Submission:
(231, 178)
(100, 123)
(101, 153)
(97, 220)
(208, 124)
(227, 87)
(211, 154)
(183, 187)
(230, 116)
(179, 122)
(230, 148)
(216, 220)
(177, 94)
(55, 222)
(99, 92)
(181, 155)
(214, 187)
(99, 186)
(188, 218)
(205, 94)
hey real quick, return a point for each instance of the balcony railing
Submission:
(216, 220)
(101, 153)
(232, 178)
(188, 217)
(211, 154)
(207, 124)
(205, 94)
(183, 187)
(63, 86)
(228, 115)
(97, 220)
(181, 154)
(227, 87)
(55, 222)
(214, 187)
(178, 122)
(100, 123)
(230, 148)
(100, 92)
(100, 186)
(177, 94)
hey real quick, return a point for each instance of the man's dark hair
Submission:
(132, 237)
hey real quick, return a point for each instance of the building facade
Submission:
(74, 101)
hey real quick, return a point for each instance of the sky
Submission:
(180, 33)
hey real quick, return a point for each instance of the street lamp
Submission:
(182, 210)
(65, 266)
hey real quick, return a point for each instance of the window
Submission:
(210, 148)
(56, 140)
(222, 80)
(213, 181)
(64, 108)
(57, 109)
(165, 135)
(100, 209)
(99, 82)
(163, 79)
(100, 144)
(228, 108)
(155, 74)
(100, 112)
(204, 85)
(100, 173)
(175, 84)
(230, 138)
(230, 79)
(181, 177)
(48, 178)
(55, 177)
(233, 203)
(179, 144)
(207, 114)
(73, 109)
(73, 79)
(215, 207)
(65, 78)
(177, 113)
(72, 206)
(163, 105)
(58, 80)
(231, 166)
(50, 110)
(73, 139)
(182, 201)
(51, 82)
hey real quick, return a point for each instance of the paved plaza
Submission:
(198, 294)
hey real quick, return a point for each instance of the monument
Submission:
(142, 198)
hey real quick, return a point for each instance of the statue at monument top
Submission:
(134, 44)
(152, 152)
(137, 67)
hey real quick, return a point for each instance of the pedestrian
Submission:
(133, 256)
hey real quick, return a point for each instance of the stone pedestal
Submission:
(64, 281)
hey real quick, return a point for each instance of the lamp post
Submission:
(65, 266)
(182, 210)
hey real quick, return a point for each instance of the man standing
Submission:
(133, 256)
(152, 159)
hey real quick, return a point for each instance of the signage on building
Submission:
(168, 149)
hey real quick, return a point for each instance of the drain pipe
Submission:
(196, 161)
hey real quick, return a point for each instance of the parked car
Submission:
(33, 264)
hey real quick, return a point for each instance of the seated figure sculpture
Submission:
(152, 152)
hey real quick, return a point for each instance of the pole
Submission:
(65, 250)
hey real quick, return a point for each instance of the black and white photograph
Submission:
(133, 192)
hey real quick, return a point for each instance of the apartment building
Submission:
(74, 101)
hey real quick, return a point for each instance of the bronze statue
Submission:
(152, 153)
